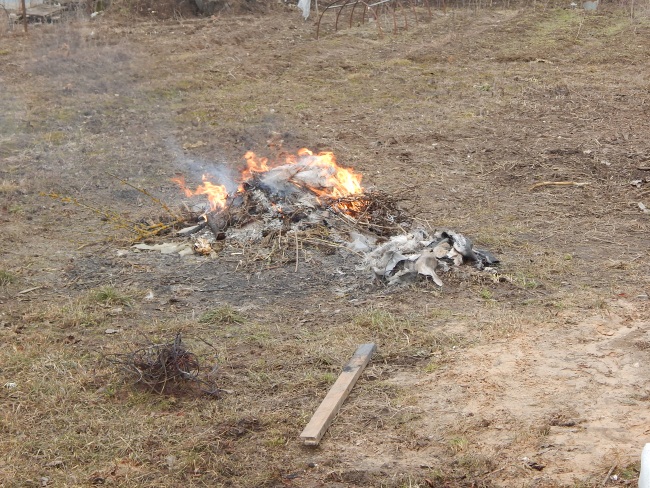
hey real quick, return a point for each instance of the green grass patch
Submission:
(6, 278)
(109, 295)
(222, 315)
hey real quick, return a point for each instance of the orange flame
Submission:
(334, 181)
(318, 173)
(217, 194)
(337, 182)
(255, 165)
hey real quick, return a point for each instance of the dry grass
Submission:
(8, 186)
(78, 402)
(464, 144)
(6, 278)
(222, 315)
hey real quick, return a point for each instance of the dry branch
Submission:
(161, 365)
(558, 183)
(145, 192)
(141, 230)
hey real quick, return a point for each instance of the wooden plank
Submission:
(24, 12)
(337, 394)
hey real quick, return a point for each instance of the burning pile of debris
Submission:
(310, 197)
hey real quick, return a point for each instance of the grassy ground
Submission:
(535, 379)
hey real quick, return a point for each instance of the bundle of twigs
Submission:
(163, 365)
(374, 211)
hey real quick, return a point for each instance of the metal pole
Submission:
(22, 5)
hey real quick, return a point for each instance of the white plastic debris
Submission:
(10, 385)
(182, 248)
(361, 242)
(305, 6)
(426, 266)
(644, 476)
(405, 257)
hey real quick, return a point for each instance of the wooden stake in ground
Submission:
(339, 391)
(24, 9)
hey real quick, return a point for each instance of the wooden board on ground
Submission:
(322, 418)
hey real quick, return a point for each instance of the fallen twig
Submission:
(119, 221)
(29, 289)
(609, 473)
(558, 183)
(295, 234)
(145, 192)
(322, 242)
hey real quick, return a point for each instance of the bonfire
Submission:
(307, 192)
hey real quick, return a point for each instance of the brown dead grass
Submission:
(462, 114)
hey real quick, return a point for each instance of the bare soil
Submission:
(538, 378)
